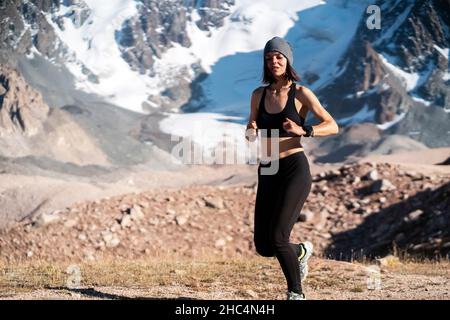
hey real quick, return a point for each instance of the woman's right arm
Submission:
(252, 129)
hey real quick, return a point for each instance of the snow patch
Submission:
(419, 99)
(444, 51)
(409, 80)
(363, 115)
(389, 124)
(446, 76)
(398, 22)
(207, 130)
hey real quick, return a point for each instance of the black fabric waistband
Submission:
(285, 159)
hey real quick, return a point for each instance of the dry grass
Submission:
(425, 267)
(241, 278)
(201, 273)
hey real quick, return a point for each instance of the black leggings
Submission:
(279, 200)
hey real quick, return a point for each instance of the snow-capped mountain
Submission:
(397, 76)
(175, 57)
(128, 52)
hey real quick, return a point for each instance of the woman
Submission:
(281, 107)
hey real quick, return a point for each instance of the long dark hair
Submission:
(290, 74)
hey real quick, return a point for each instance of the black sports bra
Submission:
(269, 121)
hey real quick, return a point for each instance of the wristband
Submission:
(309, 131)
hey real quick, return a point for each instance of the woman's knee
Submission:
(265, 252)
(280, 240)
(264, 249)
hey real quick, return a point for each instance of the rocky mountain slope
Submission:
(22, 109)
(28, 127)
(358, 210)
(73, 135)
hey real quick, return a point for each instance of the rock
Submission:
(382, 199)
(355, 205)
(70, 223)
(111, 239)
(352, 204)
(27, 228)
(413, 216)
(220, 243)
(355, 180)
(216, 203)
(372, 175)
(171, 212)
(125, 221)
(45, 219)
(415, 176)
(419, 246)
(200, 203)
(181, 220)
(331, 209)
(306, 216)
(114, 228)
(382, 185)
(364, 201)
(88, 254)
(124, 207)
(144, 204)
(82, 237)
(251, 293)
(335, 173)
(427, 186)
(325, 235)
(136, 213)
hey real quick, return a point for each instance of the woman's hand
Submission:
(251, 131)
(291, 126)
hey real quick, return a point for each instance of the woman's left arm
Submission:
(327, 126)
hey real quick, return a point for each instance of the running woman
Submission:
(281, 107)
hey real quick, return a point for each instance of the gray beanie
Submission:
(280, 45)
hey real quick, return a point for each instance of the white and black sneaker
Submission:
(306, 252)
(295, 296)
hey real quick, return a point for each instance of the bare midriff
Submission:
(287, 146)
